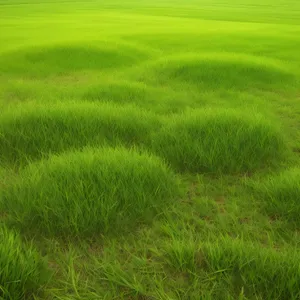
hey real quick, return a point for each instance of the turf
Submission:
(149, 149)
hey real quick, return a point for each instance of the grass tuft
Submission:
(225, 71)
(219, 141)
(280, 194)
(33, 131)
(182, 255)
(22, 270)
(261, 273)
(90, 192)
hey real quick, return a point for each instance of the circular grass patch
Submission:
(94, 191)
(33, 131)
(219, 141)
(22, 270)
(64, 59)
(224, 71)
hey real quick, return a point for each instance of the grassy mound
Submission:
(58, 60)
(93, 191)
(22, 270)
(281, 195)
(32, 131)
(230, 71)
(219, 141)
(254, 271)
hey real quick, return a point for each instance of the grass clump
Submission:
(230, 71)
(261, 273)
(182, 255)
(22, 270)
(219, 141)
(94, 191)
(33, 131)
(281, 195)
(65, 59)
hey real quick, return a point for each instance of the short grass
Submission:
(149, 149)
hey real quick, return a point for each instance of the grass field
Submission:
(149, 149)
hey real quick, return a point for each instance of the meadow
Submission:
(149, 149)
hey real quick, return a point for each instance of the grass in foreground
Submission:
(89, 192)
(251, 270)
(23, 271)
(178, 80)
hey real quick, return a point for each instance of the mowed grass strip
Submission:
(23, 272)
(220, 141)
(90, 192)
(33, 131)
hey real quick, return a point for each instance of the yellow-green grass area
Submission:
(149, 149)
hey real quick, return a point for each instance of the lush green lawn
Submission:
(149, 149)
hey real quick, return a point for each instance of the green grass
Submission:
(30, 131)
(279, 195)
(251, 269)
(61, 60)
(149, 149)
(90, 192)
(217, 141)
(225, 71)
(23, 271)
(241, 267)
